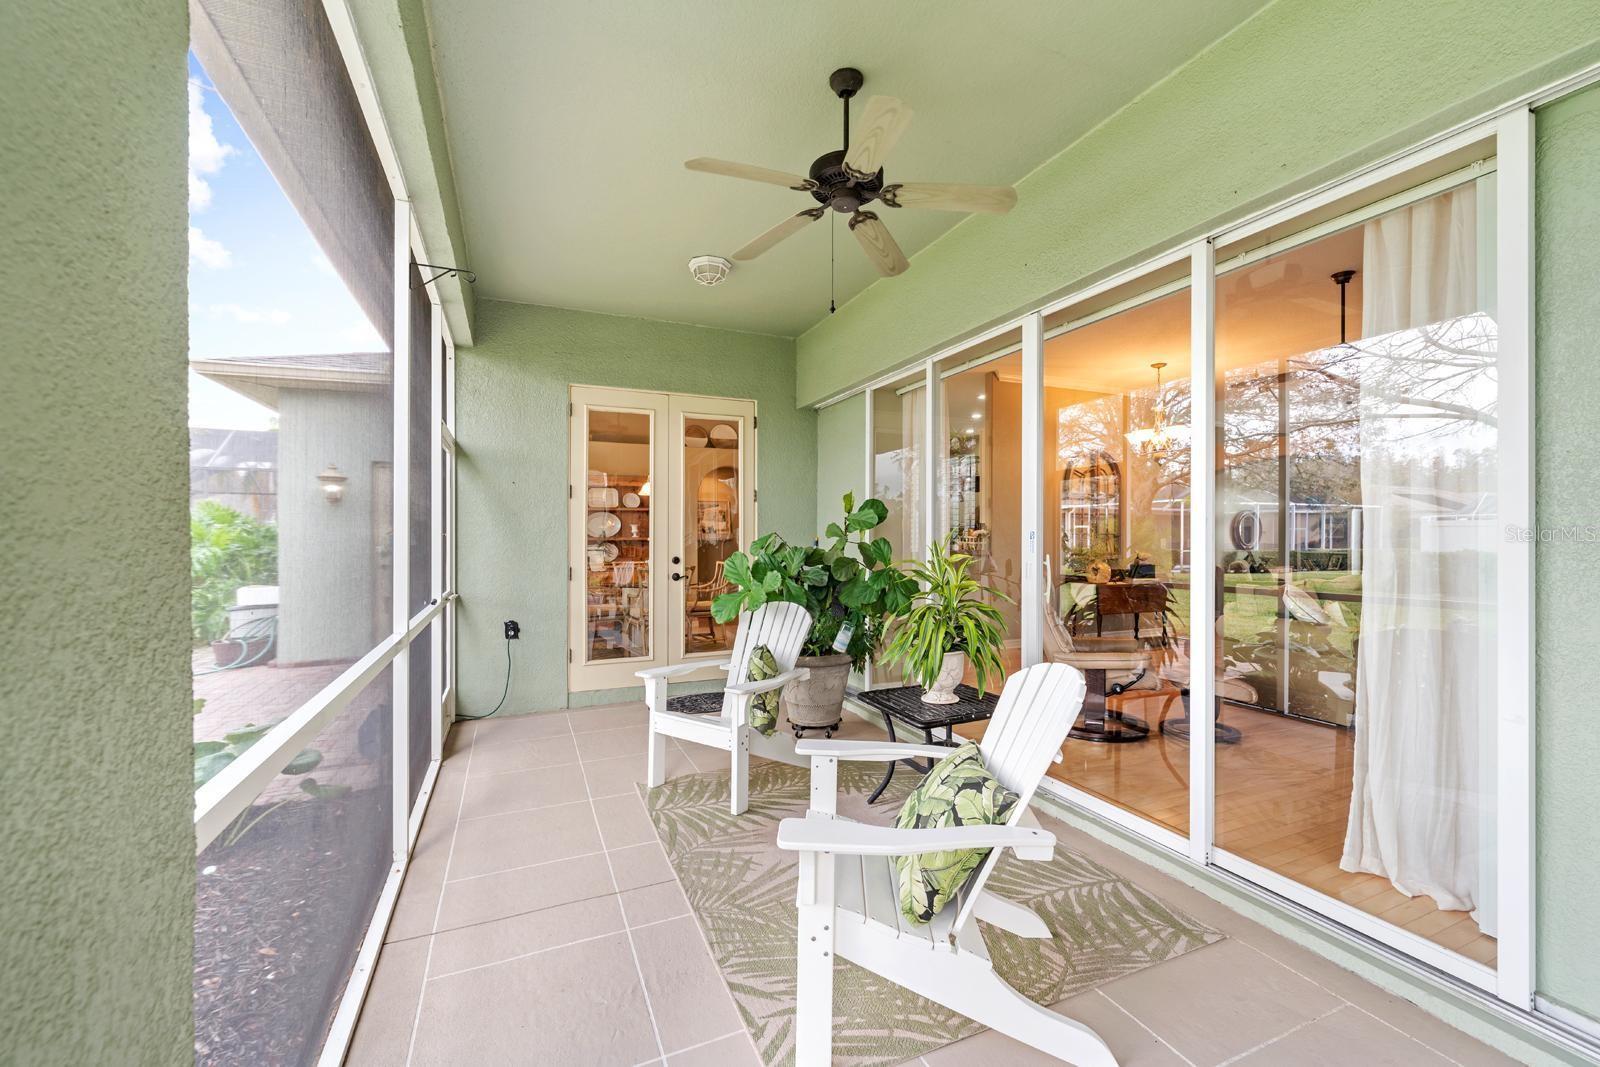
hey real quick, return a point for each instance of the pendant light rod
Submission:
(1341, 278)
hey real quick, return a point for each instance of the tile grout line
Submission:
(1402, 1033)
(633, 948)
(444, 884)
(520, 914)
(1140, 1022)
(1273, 1041)
(702, 1044)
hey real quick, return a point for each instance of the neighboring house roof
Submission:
(260, 377)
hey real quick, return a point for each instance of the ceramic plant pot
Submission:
(943, 689)
(817, 703)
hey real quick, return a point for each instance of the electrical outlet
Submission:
(513, 630)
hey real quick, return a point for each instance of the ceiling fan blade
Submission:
(751, 173)
(948, 196)
(882, 123)
(879, 244)
(787, 228)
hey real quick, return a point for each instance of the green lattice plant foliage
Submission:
(846, 579)
(951, 614)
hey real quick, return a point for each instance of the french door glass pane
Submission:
(619, 502)
(711, 523)
(1116, 522)
(1356, 399)
(980, 482)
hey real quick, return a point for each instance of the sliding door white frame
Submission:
(1507, 137)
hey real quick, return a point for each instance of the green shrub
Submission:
(226, 550)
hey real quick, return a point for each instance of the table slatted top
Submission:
(905, 704)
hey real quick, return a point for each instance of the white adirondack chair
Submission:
(849, 903)
(782, 627)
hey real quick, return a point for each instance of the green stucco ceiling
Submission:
(568, 125)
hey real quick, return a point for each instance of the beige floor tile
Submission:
(1396, 1011)
(640, 865)
(1132, 1044)
(497, 757)
(580, 1004)
(524, 727)
(519, 935)
(1220, 1000)
(418, 903)
(706, 758)
(519, 839)
(459, 738)
(1347, 1036)
(608, 744)
(383, 1033)
(623, 821)
(622, 775)
(652, 903)
(496, 896)
(690, 1001)
(588, 720)
(732, 1051)
(497, 794)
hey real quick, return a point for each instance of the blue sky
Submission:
(258, 282)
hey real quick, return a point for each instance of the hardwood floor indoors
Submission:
(1283, 797)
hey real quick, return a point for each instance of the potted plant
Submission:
(949, 624)
(851, 589)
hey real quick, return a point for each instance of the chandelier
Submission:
(1160, 436)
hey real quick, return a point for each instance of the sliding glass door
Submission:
(1356, 524)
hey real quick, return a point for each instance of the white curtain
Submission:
(1424, 680)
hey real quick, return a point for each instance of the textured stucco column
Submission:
(97, 874)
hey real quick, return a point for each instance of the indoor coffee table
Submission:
(904, 703)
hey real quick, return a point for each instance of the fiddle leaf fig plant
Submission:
(846, 581)
(951, 614)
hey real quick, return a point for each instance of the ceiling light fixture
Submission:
(1159, 436)
(983, 396)
(977, 414)
(709, 270)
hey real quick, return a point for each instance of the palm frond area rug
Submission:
(742, 888)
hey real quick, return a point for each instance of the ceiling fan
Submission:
(851, 177)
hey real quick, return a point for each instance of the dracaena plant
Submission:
(845, 580)
(949, 615)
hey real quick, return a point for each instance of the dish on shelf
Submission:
(695, 437)
(629, 500)
(724, 435)
(611, 551)
(603, 498)
(603, 524)
(599, 478)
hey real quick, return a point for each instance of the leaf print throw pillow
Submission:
(958, 791)
(763, 713)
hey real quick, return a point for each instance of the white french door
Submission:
(662, 492)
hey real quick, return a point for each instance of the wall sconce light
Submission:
(332, 482)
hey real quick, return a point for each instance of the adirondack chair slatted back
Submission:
(782, 627)
(1037, 707)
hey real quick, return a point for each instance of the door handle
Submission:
(677, 577)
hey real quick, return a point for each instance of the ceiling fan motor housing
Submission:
(835, 188)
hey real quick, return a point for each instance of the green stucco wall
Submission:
(841, 457)
(96, 835)
(1566, 420)
(511, 415)
(1301, 93)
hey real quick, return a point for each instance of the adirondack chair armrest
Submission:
(864, 839)
(871, 750)
(766, 685)
(650, 674)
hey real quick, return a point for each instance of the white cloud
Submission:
(361, 337)
(206, 153)
(248, 316)
(212, 253)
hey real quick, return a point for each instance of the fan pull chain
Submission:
(832, 230)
